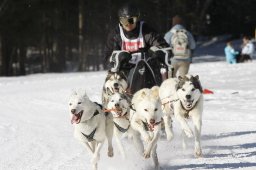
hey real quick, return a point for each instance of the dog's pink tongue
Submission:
(74, 119)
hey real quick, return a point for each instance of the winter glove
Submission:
(118, 59)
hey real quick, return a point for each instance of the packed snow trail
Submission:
(36, 132)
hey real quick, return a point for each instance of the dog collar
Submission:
(90, 136)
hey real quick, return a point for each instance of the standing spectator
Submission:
(230, 53)
(247, 50)
(183, 43)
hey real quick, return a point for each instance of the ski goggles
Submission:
(128, 20)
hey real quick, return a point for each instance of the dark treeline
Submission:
(64, 35)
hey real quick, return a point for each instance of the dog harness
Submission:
(123, 130)
(168, 100)
(91, 135)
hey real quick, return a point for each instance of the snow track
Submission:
(36, 134)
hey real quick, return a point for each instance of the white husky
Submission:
(119, 107)
(91, 125)
(184, 98)
(146, 117)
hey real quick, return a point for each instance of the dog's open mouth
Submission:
(116, 89)
(76, 118)
(119, 111)
(188, 103)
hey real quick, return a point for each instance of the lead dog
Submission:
(91, 125)
(119, 107)
(114, 82)
(146, 117)
(184, 98)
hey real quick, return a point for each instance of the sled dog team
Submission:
(140, 117)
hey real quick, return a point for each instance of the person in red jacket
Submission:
(130, 37)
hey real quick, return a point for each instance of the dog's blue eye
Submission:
(79, 102)
(146, 110)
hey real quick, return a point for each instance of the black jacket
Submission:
(151, 38)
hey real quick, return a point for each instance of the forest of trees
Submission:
(69, 35)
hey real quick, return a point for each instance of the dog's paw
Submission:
(146, 154)
(110, 153)
(198, 153)
(188, 133)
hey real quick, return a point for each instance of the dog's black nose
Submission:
(117, 105)
(115, 85)
(73, 111)
(188, 96)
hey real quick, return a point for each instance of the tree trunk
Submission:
(202, 14)
(1, 56)
(6, 57)
(82, 59)
(21, 60)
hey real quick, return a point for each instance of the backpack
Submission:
(179, 42)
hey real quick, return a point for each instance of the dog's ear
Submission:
(183, 78)
(143, 94)
(181, 81)
(85, 94)
(155, 91)
(108, 75)
(74, 92)
(195, 80)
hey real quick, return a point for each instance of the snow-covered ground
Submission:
(36, 133)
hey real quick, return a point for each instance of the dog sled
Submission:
(145, 72)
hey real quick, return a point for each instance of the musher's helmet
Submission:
(128, 13)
